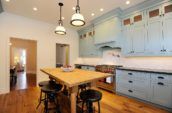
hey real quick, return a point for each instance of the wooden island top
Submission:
(76, 77)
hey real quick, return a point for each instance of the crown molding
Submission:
(118, 12)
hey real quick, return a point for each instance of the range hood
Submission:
(108, 45)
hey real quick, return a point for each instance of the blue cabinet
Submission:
(86, 44)
(134, 34)
(108, 31)
(148, 33)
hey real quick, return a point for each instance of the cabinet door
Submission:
(167, 27)
(162, 94)
(128, 41)
(108, 31)
(154, 31)
(86, 45)
(82, 46)
(138, 34)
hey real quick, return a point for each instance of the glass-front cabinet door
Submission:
(154, 31)
(167, 27)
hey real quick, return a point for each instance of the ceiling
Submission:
(48, 10)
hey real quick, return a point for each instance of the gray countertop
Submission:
(160, 71)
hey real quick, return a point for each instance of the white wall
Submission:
(139, 62)
(21, 27)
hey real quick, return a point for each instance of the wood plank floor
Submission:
(24, 81)
(25, 101)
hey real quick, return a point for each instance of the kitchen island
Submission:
(74, 79)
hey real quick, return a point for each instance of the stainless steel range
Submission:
(107, 83)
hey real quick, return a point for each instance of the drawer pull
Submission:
(130, 73)
(130, 81)
(130, 91)
(160, 77)
(160, 83)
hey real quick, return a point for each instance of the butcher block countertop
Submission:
(75, 77)
(159, 71)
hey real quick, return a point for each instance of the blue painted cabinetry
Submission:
(134, 34)
(86, 44)
(148, 33)
(108, 31)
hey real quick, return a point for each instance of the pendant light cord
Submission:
(60, 21)
(77, 7)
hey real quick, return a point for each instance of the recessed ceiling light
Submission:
(7, 0)
(63, 18)
(101, 9)
(127, 2)
(35, 8)
(10, 44)
(92, 14)
(74, 8)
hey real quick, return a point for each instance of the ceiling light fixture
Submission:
(60, 29)
(127, 2)
(35, 9)
(74, 8)
(77, 18)
(7, 0)
(92, 14)
(101, 9)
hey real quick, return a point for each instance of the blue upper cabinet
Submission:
(134, 34)
(159, 30)
(108, 31)
(86, 44)
(167, 27)
(148, 33)
(154, 31)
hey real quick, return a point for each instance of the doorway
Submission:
(62, 55)
(23, 63)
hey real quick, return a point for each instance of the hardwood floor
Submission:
(25, 101)
(24, 81)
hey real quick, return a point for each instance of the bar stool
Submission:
(90, 96)
(50, 92)
(41, 99)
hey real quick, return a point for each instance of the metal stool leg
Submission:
(46, 104)
(98, 107)
(40, 99)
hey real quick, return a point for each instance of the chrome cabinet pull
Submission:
(130, 73)
(130, 81)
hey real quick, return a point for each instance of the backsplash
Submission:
(114, 57)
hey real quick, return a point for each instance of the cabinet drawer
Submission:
(121, 74)
(137, 85)
(161, 78)
(132, 92)
(140, 76)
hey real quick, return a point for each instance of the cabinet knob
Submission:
(160, 77)
(130, 91)
(160, 83)
(130, 81)
(130, 73)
